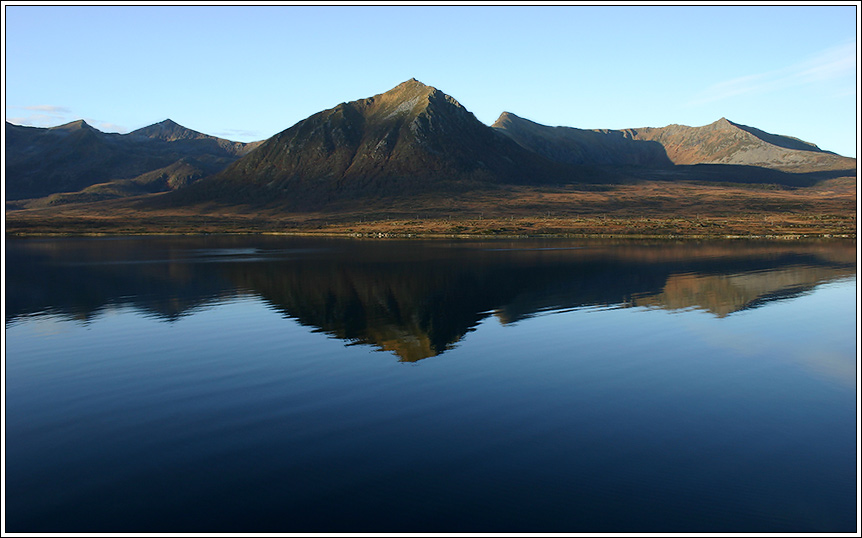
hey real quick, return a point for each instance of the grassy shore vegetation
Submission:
(652, 209)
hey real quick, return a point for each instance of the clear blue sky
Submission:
(248, 72)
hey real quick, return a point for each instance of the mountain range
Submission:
(78, 158)
(410, 140)
(721, 142)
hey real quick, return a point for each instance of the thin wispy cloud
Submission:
(233, 134)
(36, 120)
(106, 126)
(827, 66)
(54, 115)
(17, 120)
(38, 115)
(48, 109)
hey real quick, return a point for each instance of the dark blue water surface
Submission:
(254, 384)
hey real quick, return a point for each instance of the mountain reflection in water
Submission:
(413, 298)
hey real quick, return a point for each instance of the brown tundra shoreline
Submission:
(776, 227)
(648, 210)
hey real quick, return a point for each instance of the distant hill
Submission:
(721, 142)
(174, 176)
(76, 156)
(411, 139)
(582, 146)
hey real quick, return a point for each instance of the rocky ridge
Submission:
(721, 142)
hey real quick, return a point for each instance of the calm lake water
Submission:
(265, 384)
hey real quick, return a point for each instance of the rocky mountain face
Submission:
(76, 156)
(409, 140)
(721, 142)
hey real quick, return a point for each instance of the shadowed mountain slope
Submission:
(174, 176)
(582, 146)
(75, 156)
(721, 142)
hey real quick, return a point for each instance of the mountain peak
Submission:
(505, 119)
(73, 126)
(410, 87)
(413, 83)
(722, 123)
(167, 130)
(408, 99)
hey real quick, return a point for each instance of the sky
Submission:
(246, 73)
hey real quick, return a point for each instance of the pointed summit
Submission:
(413, 85)
(721, 124)
(413, 82)
(168, 130)
(409, 98)
(76, 125)
(504, 119)
(408, 87)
